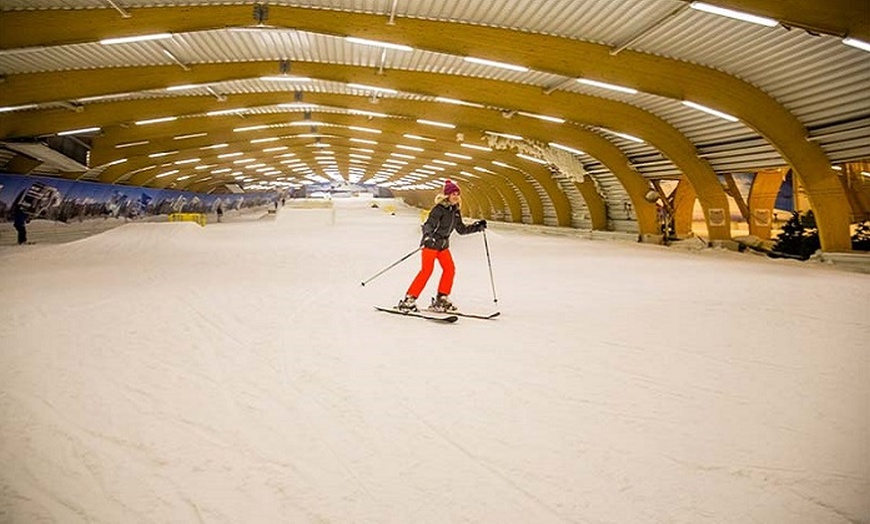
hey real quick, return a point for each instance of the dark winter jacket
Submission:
(20, 218)
(443, 219)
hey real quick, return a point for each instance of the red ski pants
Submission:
(448, 272)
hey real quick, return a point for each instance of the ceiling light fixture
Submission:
(172, 172)
(457, 102)
(493, 63)
(386, 45)
(79, 131)
(192, 135)
(140, 38)
(16, 108)
(543, 117)
(183, 87)
(418, 137)
(227, 111)
(860, 44)
(730, 13)
(132, 144)
(566, 148)
(457, 155)
(505, 135)
(285, 78)
(436, 124)
(604, 85)
(372, 88)
(711, 111)
(365, 129)
(156, 120)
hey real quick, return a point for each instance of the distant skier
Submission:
(443, 219)
(20, 219)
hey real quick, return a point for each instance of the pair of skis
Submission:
(434, 316)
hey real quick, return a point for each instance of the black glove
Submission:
(480, 225)
(429, 242)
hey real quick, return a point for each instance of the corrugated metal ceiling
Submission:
(822, 82)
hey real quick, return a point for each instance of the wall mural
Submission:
(66, 200)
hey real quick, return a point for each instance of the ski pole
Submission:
(397, 262)
(489, 263)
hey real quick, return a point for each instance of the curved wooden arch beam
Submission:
(594, 202)
(762, 198)
(683, 202)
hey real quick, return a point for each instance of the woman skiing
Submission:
(444, 217)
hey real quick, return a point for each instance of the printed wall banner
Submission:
(66, 200)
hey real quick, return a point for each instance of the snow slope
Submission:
(238, 373)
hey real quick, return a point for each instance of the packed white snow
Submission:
(239, 373)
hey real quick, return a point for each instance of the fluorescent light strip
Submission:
(372, 88)
(192, 135)
(457, 155)
(365, 130)
(188, 161)
(227, 111)
(859, 44)
(543, 117)
(162, 153)
(172, 172)
(285, 78)
(386, 45)
(472, 146)
(230, 155)
(730, 13)
(418, 137)
(502, 164)
(79, 131)
(532, 159)
(457, 102)
(622, 135)
(244, 161)
(140, 38)
(505, 135)
(7, 109)
(493, 63)
(367, 113)
(156, 120)
(273, 149)
(566, 148)
(410, 148)
(115, 162)
(184, 87)
(132, 144)
(605, 85)
(444, 162)
(436, 124)
(706, 109)
(215, 146)
(250, 128)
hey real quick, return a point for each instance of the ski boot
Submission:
(409, 303)
(442, 303)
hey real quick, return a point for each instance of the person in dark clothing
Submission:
(443, 219)
(20, 220)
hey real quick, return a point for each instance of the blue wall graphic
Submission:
(70, 200)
